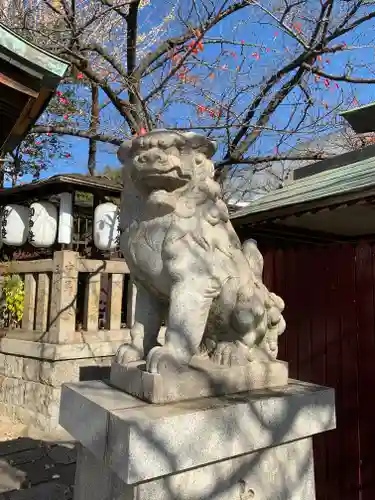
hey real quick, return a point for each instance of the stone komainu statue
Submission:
(187, 261)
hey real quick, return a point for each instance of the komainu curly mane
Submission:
(187, 260)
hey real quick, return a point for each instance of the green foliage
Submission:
(113, 174)
(66, 108)
(35, 154)
(13, 295)
(82, 196)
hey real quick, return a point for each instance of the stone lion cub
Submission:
(187, 261)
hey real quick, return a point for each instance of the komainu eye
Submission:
(140, 158)
(199, 159)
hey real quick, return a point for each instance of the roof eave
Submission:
(361, 119)
(26, 120)
(58, 184)
(239, 219)
(347, 184)
(31, 60)
(30, 54)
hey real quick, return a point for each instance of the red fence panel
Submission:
(330, 340)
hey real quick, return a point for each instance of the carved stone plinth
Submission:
(201, 380)
(248, 446)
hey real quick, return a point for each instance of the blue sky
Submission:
(106, 155)
(273, 43)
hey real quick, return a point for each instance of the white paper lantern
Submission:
(65, 218)
(43, 224)
(106, 226)
(14, 225)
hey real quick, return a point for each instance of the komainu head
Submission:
(168, 161)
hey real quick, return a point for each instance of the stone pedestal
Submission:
(254, 445)
(198, 380)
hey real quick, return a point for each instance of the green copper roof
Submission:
(29, 77)
(21, 48)
(361, 119)
(341, 185)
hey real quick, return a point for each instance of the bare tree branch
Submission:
(222, 14)
(256, 160)
(338, 78)
(84, 134)
(193, 65)
(343, 30)
(267, 113)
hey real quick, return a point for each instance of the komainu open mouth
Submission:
(168, 180)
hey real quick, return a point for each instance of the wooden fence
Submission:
(63, 295)
(330, 340)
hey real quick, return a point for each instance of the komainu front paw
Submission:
(231, 354)
(162, 359)
(127, 353)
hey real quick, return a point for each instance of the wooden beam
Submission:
(9, 82)
(26, 266)
(29, 304)
(95, 266)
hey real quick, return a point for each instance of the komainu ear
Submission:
(201, 143)
(123, 152)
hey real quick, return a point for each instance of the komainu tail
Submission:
(253, 257)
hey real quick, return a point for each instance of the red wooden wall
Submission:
(330, 340)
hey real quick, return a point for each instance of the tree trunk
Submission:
(94, 124)
(2, 174)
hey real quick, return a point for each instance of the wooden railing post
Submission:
(91, 308)
(42, 302)
(29, 302)
(116, 289)
(130, 309)
(63, 297)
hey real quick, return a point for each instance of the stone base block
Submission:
(141, 441)
(30, 388)
(244, 446)
(201, 380)
(285, 472)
